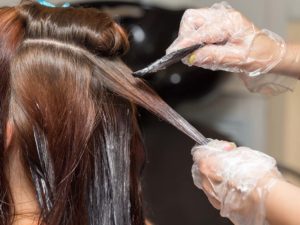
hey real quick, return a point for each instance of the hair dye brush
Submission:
(167, 60)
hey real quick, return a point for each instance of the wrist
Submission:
(290, 64)
(266, 52)
(273, 199)
(282, 204)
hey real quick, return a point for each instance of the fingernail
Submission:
(192, 59)
(230, 146)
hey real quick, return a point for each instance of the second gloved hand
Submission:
(247, 49)
(235, 180)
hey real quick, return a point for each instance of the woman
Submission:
(71, 151)
(243, 184)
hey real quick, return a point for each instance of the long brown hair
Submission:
(72, 101)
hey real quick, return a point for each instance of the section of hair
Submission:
(75, 135)
(90, 29)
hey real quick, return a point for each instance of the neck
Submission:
(25, 207)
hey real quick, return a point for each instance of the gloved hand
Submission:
(247, 49)
(235, 180)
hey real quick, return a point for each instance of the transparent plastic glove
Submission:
(247, 49)
(235, 180)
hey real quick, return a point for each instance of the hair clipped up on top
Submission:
(90, 29)
(70, 100)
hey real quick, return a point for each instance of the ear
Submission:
(9, 134)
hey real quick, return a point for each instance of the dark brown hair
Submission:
(72, 101)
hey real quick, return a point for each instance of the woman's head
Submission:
(70, 102)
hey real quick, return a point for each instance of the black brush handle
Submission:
(167, 60)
